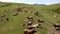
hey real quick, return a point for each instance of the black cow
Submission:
(7, 19)
(30, 18)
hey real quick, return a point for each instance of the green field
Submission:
(13, 25)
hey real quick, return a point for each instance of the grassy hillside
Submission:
(54, 8)
(13, 25)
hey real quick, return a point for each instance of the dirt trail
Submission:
(52, 30)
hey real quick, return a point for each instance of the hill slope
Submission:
(12, 15)
(54, 8)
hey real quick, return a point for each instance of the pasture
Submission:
(12, 25)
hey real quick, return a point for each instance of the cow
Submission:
(37, 14)
(40, 20)
(57, 26)
(29, 23)
(19, 9)
(15, 14)
(59, 21)
(23, 24)
(7, 19)
(30, 18)
(29, 31)
(34, 26)
(2, 16)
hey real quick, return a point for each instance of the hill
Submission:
(40, 4)
(54, 8)
(12, 15)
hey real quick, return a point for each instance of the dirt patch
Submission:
(52, 30)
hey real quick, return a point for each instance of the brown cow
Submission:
(29, 31)
(19, 9)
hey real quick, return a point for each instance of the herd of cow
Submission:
(31, 28)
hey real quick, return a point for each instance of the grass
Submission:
(13, 26)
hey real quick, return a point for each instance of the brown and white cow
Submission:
(28, 31)
(40, 20)
(57, 26)
(34, 26)
(29, 23)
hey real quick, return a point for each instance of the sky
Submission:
(47, 2)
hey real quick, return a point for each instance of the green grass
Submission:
(13, 26)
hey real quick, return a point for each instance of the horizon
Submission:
(46, 2)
